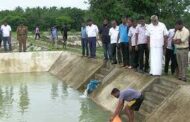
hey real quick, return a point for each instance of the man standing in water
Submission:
(22, 32)
(132, 97)
(157, 36)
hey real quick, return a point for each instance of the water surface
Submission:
(41, 97)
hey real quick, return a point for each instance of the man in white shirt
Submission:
(92, 33)
(142, 45)
(133, 44)
(170, 55)
(6, 32)
(113, 32)
(157, 34)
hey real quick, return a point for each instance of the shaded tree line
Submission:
(167, 10)
(44, 17)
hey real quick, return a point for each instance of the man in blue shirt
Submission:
(124, 42)
(54, 35)
(84, 40)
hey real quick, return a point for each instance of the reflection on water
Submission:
(54, 90)
(41, 97)
(24, 100)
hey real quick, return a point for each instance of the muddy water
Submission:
(41, 97)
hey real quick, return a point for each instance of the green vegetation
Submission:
(167, 10)
(44, 17)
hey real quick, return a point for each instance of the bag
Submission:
(117, 119)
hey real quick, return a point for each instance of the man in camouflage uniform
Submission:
(22, 32)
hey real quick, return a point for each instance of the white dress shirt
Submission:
(132, 34)
(141, 31)
(92, 31)
(171, 34)
(113, 33)
(6, 30)
(156, 34)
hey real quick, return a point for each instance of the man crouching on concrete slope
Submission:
(133, 98)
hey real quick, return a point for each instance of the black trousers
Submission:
(125, 52)
(119, 53)
(134, 57)
(37, 36)
(170, 56)
(0, 41)
(113, 52)
(85, 50)
(143, 51)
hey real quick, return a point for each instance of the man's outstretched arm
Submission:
(118, 109)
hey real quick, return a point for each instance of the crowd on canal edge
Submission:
(140, 46)
(132, 44)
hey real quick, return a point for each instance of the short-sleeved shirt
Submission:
(92, 31)
(83, 32)
(156, 34)
(6, 30)
(132, 34)
(123, 33)
(141, 31)
(37, 30)
(114, 34)
(129, 95)
(171, 34)
(54, 32)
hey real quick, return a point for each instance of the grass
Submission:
(45, 42)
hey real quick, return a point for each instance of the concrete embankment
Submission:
(166, 99)
(27, 62)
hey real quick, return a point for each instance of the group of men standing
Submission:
(140, 46)
(5, 36)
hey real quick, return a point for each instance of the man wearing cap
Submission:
(157, 35)
(22, 32)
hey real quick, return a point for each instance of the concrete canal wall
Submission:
(166, 99)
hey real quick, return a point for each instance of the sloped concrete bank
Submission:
(76, 71)
(167, 100)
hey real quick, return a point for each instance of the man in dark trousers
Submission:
(124, 42)
(133, 98)
(104, 34)
(64, 32)
(142, 45)
(92, 33)
(1, 37)
(170, 54)
(84, 40)
(114, 31)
